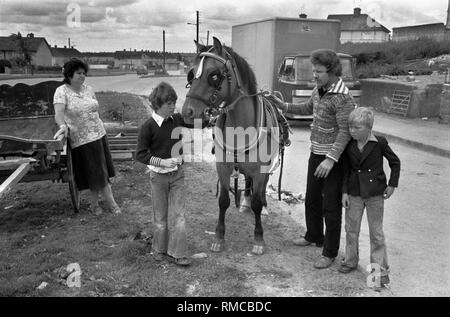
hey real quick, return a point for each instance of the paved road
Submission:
(417, 217)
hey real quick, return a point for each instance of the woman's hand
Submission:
(324, 168)
(345, 201)
(62, 132)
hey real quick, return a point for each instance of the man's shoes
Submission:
(180, 261)
(323, 262)
(343, 268)
(302, 242)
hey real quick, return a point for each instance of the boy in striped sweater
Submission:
(330, 104)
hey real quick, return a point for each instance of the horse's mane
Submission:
(246, 72)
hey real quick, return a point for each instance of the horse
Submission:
(223, 85)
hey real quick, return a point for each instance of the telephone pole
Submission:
(207, 37)
(164, 50)
(197, 26)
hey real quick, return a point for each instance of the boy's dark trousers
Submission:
(324, 200)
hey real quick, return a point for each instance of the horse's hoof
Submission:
(245, 209)
(264, 211)
(258, 249)
(216, 247)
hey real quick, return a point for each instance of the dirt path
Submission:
(39, 235)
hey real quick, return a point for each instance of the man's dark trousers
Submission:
(324, 200)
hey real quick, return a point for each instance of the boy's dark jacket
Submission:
(363, 172)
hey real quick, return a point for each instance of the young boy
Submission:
(155, 147)
(365, 187)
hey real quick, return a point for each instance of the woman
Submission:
(76, 113)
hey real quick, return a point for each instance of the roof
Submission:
(65, 52)
(361, 22)
(12, 43)
(419, 26)
(275, 19)
(341, 55)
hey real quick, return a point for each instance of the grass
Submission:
(40, 236)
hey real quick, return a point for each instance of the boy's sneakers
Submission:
(343, 268)
(323, 262)
(180, 261)
(158, 256)
(384, 283)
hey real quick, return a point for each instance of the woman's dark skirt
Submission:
(93, 165)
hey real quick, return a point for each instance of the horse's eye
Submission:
(214, 79)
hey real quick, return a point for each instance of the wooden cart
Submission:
(28, 152)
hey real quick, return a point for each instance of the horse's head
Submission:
(212, 82)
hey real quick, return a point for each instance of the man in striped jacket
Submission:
(330, 105)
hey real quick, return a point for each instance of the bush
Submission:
(389, 58)
(49, 68)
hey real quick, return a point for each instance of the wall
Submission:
(436, 31)
(364, 37)
(43, 56)
(425, 99)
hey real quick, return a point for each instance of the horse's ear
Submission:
(200, 47)
(217, 45)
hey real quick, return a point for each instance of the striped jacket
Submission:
(329, 130)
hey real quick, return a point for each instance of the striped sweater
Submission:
(329, 130)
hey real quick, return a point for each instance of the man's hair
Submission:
(71, 67)
(161, 94)
(329, 59)
(362, 115)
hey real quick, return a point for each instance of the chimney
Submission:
(65, 46)
(357, 11)
(30, 35)
(56, 46)
(448, 16)
(304, 16)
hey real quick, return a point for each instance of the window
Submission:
(287, 71)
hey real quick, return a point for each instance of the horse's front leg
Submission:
(258, 200)
(224, 203)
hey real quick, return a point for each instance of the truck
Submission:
(278, 51)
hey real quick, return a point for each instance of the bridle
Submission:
(217, 104)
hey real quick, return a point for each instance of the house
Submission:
(60, 55)
(16, 46)
(360, 28)
(130, 59)
(101, 58)
(437, 31)
(174, 67)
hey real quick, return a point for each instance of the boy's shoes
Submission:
(384, 283)
(302, 242)
(323, 262)
(343, 268)
(179, 261)
(158, 256)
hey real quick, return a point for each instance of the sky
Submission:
(110, 25)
